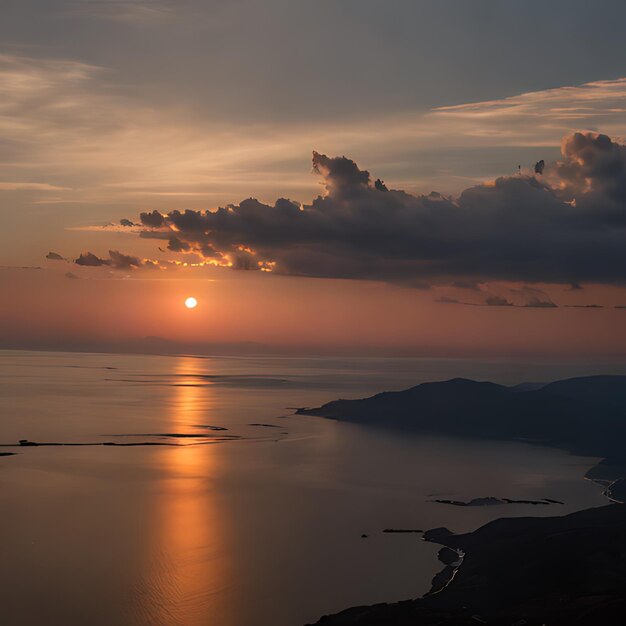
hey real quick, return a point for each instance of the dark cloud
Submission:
(116, 260)
(497, 301)
(594, 168)
(528, 300)
(341, 173)
(584, 306)
(123, 261)
(536, 303)
(463, 284)
(176, 245)
(53, 256)
(89, 259)
(125, 222)
(567, 226)
(71, 275)
(154, 219)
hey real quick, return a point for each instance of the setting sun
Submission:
(191, 303)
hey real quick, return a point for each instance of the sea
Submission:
(230, 509)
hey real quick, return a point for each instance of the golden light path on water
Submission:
(186, 582)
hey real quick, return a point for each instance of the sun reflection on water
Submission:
(187, 580)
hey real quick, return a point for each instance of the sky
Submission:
(322, 176)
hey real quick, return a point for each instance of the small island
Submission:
(491, 501)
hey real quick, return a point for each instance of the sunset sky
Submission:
(373, 164)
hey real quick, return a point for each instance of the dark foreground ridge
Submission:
(525, 571)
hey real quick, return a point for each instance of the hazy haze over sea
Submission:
(256, 525)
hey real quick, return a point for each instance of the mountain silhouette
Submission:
(585, 415)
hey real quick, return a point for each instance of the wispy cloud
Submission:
(140, 11)
(535, 118)
(15, 186)
(101, 142)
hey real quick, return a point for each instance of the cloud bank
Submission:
(567, 225)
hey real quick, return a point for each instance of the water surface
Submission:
(263, 529)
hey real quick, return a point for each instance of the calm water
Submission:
(262, 529)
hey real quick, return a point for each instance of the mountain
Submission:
(585, 415)
(609, 391)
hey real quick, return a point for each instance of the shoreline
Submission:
(569, 571)
(561, 562)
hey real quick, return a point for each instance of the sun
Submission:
(191, 303)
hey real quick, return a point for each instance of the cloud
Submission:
(153, 218)
(593, 169)
(567, 226)
(116, 260)
(526, 297)
(119, 261)
(536, 303)
(123, 261)
(88, 259)
(140, 11)
(497, 301)
(533, 298)
(15, 186)
(463, 284)
(121, 145)
(54, 256)
(584, 306)
(591, 104)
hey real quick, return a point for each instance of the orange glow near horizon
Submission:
(242, 309)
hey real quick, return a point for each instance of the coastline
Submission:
(569, 569)
(447, 603)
